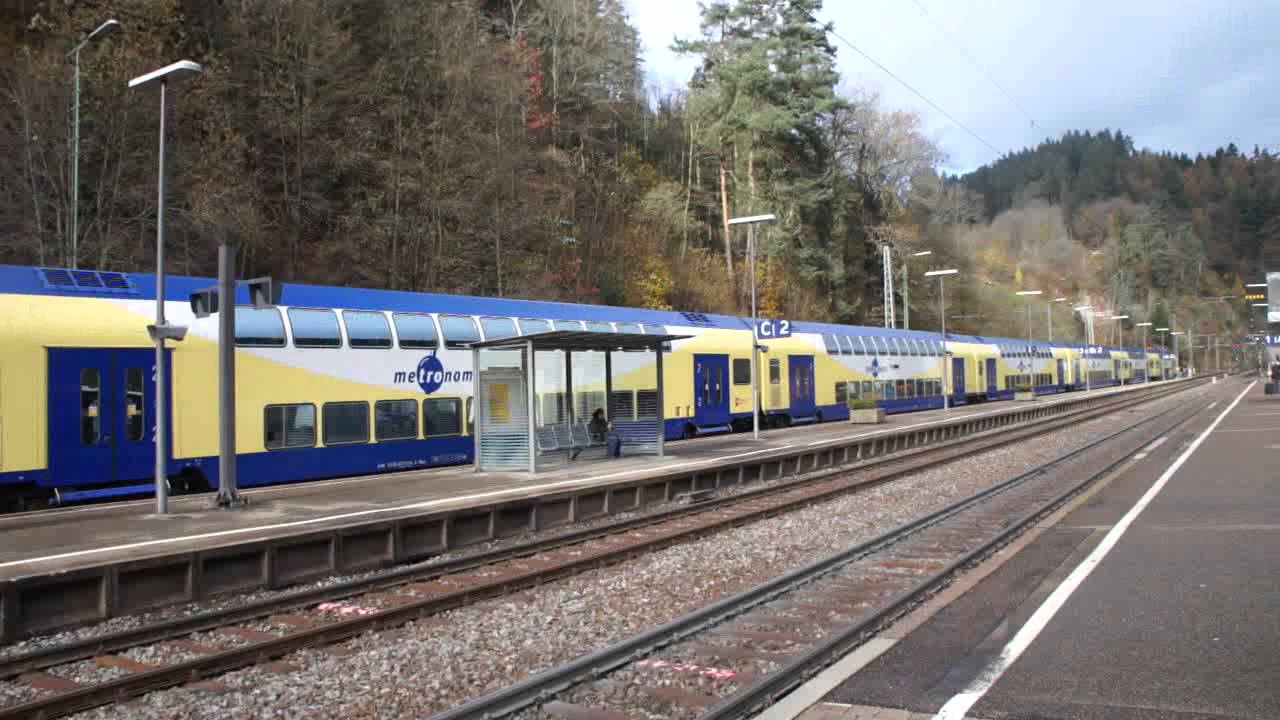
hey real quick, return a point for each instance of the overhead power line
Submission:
(974, 61)
(904, 84)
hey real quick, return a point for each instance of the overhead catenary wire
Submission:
(830, 29)
(974, 61)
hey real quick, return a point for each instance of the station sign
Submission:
(768, 329)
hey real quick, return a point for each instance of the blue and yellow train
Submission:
(327, 383)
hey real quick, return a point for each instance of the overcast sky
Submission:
(1183, 75)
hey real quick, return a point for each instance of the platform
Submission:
(1178, 618)
(119, 557)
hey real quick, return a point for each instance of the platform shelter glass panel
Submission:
(502, 411)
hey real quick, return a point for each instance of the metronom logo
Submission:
(430, 375)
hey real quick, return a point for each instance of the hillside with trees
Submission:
(511, 147)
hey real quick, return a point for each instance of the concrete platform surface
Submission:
(1179, 620)
(37, 543)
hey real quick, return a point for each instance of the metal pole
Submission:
(1048, 311)
(75, 168)
(662, 406)
(942, 309)
(755, 322)
(906, 295)
(532, 400)
(475, 448)
(162, 436)
(228, 493)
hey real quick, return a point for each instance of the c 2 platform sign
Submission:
(768, 329)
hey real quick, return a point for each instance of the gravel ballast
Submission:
(434, 664)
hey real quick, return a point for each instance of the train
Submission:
(328, 382)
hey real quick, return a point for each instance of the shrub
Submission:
(1022, 388)
(862, 404)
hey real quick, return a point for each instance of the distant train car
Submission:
(341, 381)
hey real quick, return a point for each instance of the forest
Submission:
(513, 148)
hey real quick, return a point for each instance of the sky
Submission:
(1182, 75)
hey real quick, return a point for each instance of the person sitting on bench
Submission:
(597, 430)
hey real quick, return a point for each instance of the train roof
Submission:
(30, 280)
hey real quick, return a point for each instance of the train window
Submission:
(498, 328)
(570, 325)
(458, 330)
(289, 426)
(775, 371)
(416, 331)
(646, 404)
(856, 342)
(90, 406)
(259, 327)
(741, 371)
(599, 327)
(629, 328)
(367, 329)
(135, 422)
(846, 344)
(531, 327)
(917, 347)
(471, 416)
(346, 423)
(441, 416)
(868, 390)
(842, 393)
(314, 328)
(883, 344)
(833, 347)
(395, 420)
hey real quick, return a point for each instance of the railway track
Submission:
(196, 647)
(738, 656)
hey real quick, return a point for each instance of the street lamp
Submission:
(1086, 311)
(101, 31)
(1256, 285)
(161, 330)
(1028, 294)
(906, 289)
(1120, 329)
(942, 313)
(751, 222)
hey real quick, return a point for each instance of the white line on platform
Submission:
(958, 706)
(1159, 441)
(376, 511)
(1270, 429)
(1214, 404)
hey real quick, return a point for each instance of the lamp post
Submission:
(942, 313)
(1086, 311)
(162, 331)
(101, 31)
(1028, 294)
(906, 289)
(751, 222)
(1120, 330)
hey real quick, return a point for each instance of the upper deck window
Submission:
(459, 330)
(259, 327)
(599, 327)
(314, 328)
(498, 328)
(846, 344)
(416, 331)
(629, 328)
(569, 325)
(833, 347)
(367, 329)
(533, 327)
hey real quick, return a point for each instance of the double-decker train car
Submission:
(341, 381)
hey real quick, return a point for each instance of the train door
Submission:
(711, 390)
(957, 377)
(803, 404)
(992, 387)
(1062, 372)
(101, 415)
(1119, 378)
